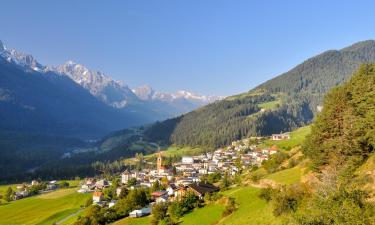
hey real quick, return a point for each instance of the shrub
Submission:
(257, 175)
(266, 193)
(159, 212)
(230, 207)
(287, 199)
(273, 164)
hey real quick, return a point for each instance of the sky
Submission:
(206, 46)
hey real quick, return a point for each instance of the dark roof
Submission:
(202, 189)
(173, 186)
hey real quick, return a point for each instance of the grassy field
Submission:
(287, 176)
(296, 138)
(73, 218)
(204, 216)
(251, 209)
(170, 151)
(134, 221)
(43, 209)
(178, 151)
(270, 105)
(4, 188)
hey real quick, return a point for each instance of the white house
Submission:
(140, 212)
(102, 184)
(125, 177)
(112, 203)
(162, 199)
(97, 197)
(279, 137)
(171, 189)
(187, 160)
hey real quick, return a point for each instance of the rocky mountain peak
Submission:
(144, 92)
(21, 59)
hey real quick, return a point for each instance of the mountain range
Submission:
(72, 88)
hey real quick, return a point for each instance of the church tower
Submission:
(159, 162)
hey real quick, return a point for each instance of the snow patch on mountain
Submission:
(146, 93)
(110, 91)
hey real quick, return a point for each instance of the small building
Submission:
(118, 191)
(140, 212)
(273, 150)
(162, 199)
(35, 182)
(187, 160)
(112, 203)
(97, 196)
(201, 189)
(157, 194)
(102, 184)
(279, 137)
(52, 186)
(171, 189)
(180, 192)
(125, 177)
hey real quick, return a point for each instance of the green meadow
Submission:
(43, 209)
(287, 176)
(296, 138)
(270, 105)
(206, 215)
(251, 209)
(134, 221)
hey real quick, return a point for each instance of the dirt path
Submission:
(68, 217)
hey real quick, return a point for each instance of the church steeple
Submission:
(159, 162)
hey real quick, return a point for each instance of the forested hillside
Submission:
(340, 189)
(298, 92)
(344, 134)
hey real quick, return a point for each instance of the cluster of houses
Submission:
(185, 176)
(23, 190)
(92, 184)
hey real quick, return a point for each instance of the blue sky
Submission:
(210, 47)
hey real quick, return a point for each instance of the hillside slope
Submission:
(286, 102)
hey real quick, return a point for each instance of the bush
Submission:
(230, 207)
(212, 197)
(266, 193)
(273, 164)
(287, 199)
(159, 212)
(257, 175)
(63, 184)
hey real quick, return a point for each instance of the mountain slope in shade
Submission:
(125, 107)
(47, 102)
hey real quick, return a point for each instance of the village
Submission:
(185, 176)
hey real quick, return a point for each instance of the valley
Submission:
(187, 112)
